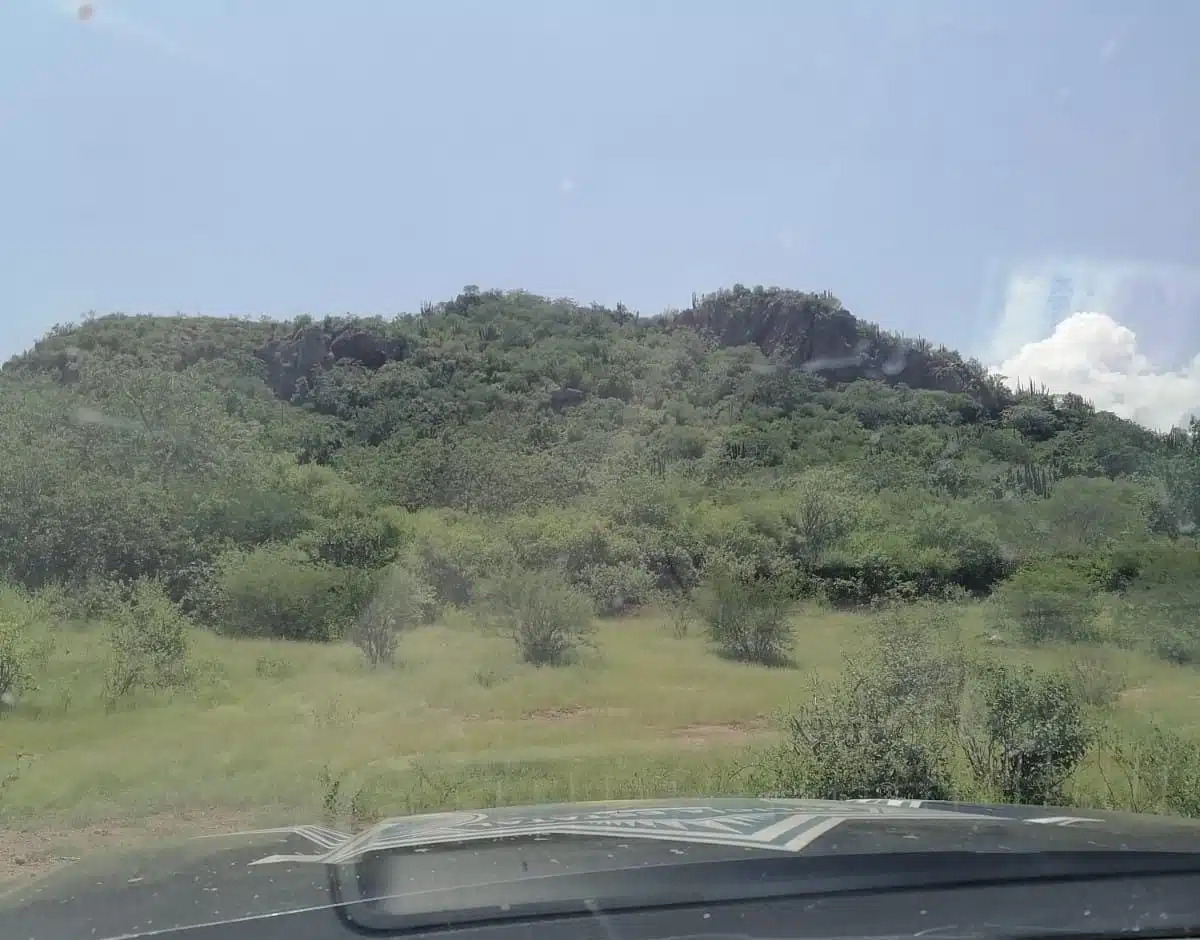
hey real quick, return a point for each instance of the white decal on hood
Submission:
(1062, 820)
(781, 827)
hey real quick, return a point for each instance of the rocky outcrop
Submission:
(815, 333)
(314, 347)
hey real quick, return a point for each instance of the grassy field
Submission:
(277, 731)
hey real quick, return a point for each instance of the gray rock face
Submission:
(313, 347)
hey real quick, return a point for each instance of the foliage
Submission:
(747, 620)
(1094, 680)
(540, 462)
(1156, 770)
(884, 729)
(761, 429)
(16, 674)
(277, 591)
(1028, 735)
(402, 602)
(1157, 609)
(149, 644)
(25, 648)
(545, 617)
(1049, 601)
(820, 512)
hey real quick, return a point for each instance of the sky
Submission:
(1019, 180)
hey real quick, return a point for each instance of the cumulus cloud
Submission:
(1093, 355)
(1050, 331)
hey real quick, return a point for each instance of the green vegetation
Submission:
(333, 564)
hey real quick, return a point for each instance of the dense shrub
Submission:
(280, 592)
(402, 601)
(1028, 734)
(355, 541)
(1049, 601)
(149, 644)
(453, 556)
(16, 673)
(547, 619)
(1156, 770)
(885, 729)
(1158, 608)
(747, 620)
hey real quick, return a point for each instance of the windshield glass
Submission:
(415, 408)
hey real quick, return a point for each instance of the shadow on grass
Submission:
(778, 660)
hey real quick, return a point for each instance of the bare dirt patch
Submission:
(564, 712)
(733, 732)
(555, 714)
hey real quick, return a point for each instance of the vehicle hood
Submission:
(248, 874)
(812, 826)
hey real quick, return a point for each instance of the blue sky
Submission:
(938, 164)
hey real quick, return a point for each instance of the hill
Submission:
(185, 498)
(156, 446)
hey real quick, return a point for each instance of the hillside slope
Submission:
(766, 429)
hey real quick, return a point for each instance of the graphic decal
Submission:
(1062, 820)
(998, 812)
(780, 827)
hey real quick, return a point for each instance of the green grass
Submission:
(278, 731)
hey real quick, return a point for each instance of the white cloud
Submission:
(1093, 355)
(1137, 357)
(566, 185)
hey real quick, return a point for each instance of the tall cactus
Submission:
(1032, 479)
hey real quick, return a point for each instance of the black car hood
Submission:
(810, 826)
(249, 874)
(786, 826)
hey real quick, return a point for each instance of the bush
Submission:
(1030, 421)
(1049, 602)
(1027, 735)
(1173, 642)
(747, 620)
(823, 508)
(356, 541)
(1160, 771)
(90, 598)
(885, 729)
(680, 614)
(21, 657)
(545, 617)
(279, 592)
(1094, 680)
(402, 601)
(1089, 514)
(969, 541)
(149, 643)
(15, 673)
(1158, 609)
(615, 589)
(453, 556)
